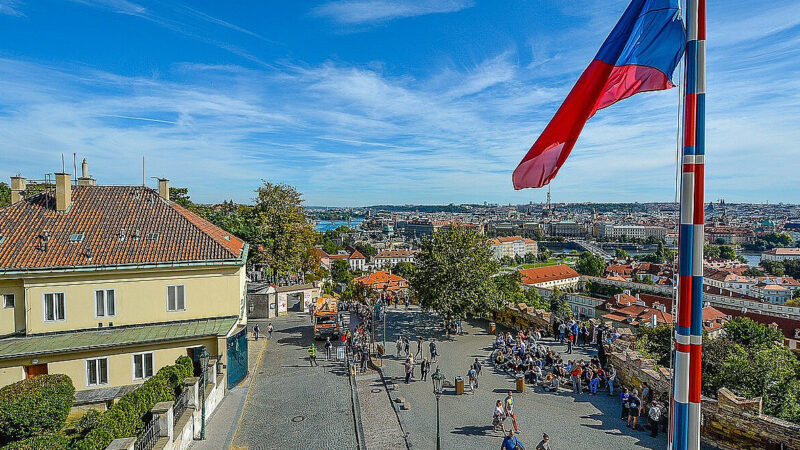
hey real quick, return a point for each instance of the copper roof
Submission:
(121, 225)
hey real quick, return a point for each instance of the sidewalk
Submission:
(381, 426)
(221, 425)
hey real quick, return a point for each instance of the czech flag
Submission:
(639, 55)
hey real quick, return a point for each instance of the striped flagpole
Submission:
(687, 251)
(696, 340)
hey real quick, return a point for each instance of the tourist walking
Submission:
(576, 373)
(399, 345)
(408, 368)
(328, 347)
(654, 416)
(255, 332)
(570, 338)
(623, 398)
(634, 403)
(419, 348)
(509, 406)
(269, 330)
(511, 442)
(499, 416)
(472, 377)
(312, 355)
(433, 350)
(477, 366)
(407, 345)
(424, 368)
(612, 376)
(364, 357)
(544, 444)
(562, 330)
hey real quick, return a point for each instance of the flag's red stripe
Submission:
(601, 85)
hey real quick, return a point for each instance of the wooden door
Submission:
(36, 369)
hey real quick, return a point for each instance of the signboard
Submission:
(340, 356)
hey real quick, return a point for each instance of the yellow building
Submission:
(108, 284)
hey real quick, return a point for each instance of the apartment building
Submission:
(107, 284)
(781, 254)
(512, 246)
(388, 258)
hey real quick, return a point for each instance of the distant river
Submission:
(325, 225)
(752, 258)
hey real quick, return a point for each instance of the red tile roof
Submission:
(383, 280)
(547, 273)
(155, 231)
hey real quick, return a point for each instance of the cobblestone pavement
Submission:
(572, 421)
(381, 428)
(221, 425)
(292, 405)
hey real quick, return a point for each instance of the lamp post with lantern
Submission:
(438, 380)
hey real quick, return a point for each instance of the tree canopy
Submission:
(590, 264)
(454, 274)
(5, 194)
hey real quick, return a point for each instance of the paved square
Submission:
(585, 421)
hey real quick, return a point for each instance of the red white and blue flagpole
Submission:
(696, 339)
(685, 419)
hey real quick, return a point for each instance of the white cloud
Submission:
(11, 8)
(368, 11)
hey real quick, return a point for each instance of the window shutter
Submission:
(99, 303)
(181, 302)
(171, 298)
(103, 369)
(111, 303)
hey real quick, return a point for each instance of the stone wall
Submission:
(523, 316)
(728, 423)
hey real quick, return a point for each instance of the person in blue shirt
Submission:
(511, 442)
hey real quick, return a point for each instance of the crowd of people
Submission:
(524, 354)
(404, 349)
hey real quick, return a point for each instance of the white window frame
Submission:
(183, 291)
(55, 316)
(5, 301)
(105, 303)
(96, 363)
(144, 370)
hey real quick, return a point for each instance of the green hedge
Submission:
(52, 441)
(34, 406)
(125, 418)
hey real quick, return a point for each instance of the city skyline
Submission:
(368, 102)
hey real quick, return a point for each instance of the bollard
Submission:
(520, 383)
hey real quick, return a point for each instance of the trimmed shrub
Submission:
(51, 441)
(127, 417)
(34, 406)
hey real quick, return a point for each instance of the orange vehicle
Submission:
(326, 318)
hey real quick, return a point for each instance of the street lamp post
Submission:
(438, 380)
(204, 356)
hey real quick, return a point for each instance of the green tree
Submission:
(726, 252)
(366, 249)
(518, 259)
(404, 269)
(715, 354)
(5, 194)
(754, 272)
(530, 258)
(792, 268)
(330, 247)
(558, 305)
(590, 264)
(281, 229)
(507, 261)
(775, 268)
(748, 333)
(340, 271)
(454, 274)
(655, 343)
(710, 251)
(621, 254)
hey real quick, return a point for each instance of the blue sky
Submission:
(361, 102)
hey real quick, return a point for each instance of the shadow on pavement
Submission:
(472, 430)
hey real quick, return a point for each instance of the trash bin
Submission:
(492, 327)
(520, 383)
(459, 385)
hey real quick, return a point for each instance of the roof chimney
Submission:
(163, 188)
(63, 192)
(17, 189)
(85, 179)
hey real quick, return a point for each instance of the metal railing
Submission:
(181, 403)
(149, 435)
